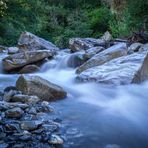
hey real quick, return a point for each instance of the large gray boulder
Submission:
(77, 44)
(124, 70)
(35, 85)
(31, 42)
(19, 60)
(104, 56)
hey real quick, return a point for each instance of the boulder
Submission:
(14, 113)
(123, 70)
(29, 69)
(77, 44)
(104, 57)
(55, 139)
(92, 51)
(31, 42)
(19, 60)
(144, 48)
(134, 48)
(35, 85)
(107, 36)
(13, 50)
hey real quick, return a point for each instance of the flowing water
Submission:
(95, 116)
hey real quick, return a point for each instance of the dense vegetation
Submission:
(58, 20)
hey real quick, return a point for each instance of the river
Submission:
(93, 115)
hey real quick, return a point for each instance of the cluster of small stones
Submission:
(22, 124)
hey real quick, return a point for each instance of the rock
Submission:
(31, 42)
(30, 125)
(29, 69)
(123, 70)
(35, 85)
(9, 92)
(55, 139)
(134, 48)
(25, 99)
(104, 56)
(13, 50)
(77, 44)
(5, 105)
(19, 60)
(107, 37)
(14, 113)
(92, 51)
(76, 60)
(12, 127)
(144, 48)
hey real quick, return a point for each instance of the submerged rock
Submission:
(77, 44)
(35, 85)
(104, 56)
(19, 60)
(31, 42)
(124, 70)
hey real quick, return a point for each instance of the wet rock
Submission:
(76, 60)
(77, 44)
(134, 48)
(32, 110)
(55, 139)
(25, 99)
(13, 50)
(107, 36)
(9, 92)
(14, 113)
(31, 42)
(30, 125)
(50, 127)
(19, 60)
(12, 127)
(35, 85)
(92, 51)
(123, 70)
(104, 57)
(144, 48)
(29, 69)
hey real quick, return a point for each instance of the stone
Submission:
(19, 60)
(121, 71)
(92, 51)
(75, 60)
(13, 50)
(31, 42)
(55, 139)
(30, 125)
(144, 48)
(9, 92)
(29, 69)
(35, 85)
(104, 57)
(12, 127)
(107, 36)
(78, 44)
(25, 99)
(14, 113)
(134, 48)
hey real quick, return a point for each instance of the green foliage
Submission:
(99, 20)
(59, 20)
